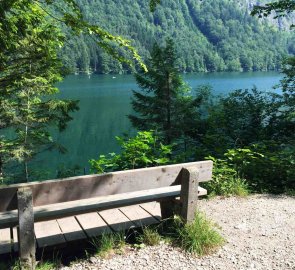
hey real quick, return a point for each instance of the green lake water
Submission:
(104, 104)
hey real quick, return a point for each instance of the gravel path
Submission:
(260, 234)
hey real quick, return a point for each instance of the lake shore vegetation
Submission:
(248, 134)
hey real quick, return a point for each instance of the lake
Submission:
(104, 104)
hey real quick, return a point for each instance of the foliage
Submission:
(143, 150)
(211, 35)
(150, 236)
(153, 4)
(267, 166)
(69, 14)
(290, 192)
(64, 172)
(225, 180)
(53, 264)
(281, 8)
(107, 244)
(164, 102)
(47, 266)
(288, 87)
(244, 117)
(29, 68)
(199, 237)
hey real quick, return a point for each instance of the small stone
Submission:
(92, 260)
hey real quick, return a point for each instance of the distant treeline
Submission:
(211, 35)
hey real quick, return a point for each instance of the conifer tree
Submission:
(164, 102)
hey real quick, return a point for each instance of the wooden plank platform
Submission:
(116, 220)
(48, 233)
(71, 229)
(93, 224)
(138, 215)
(61, 232)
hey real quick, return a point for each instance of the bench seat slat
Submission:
(138, 215)
(93, 224)
(59, 210)
(48, 233)
(71, 229)
(116, 220)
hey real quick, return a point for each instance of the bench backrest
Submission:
(89, 186)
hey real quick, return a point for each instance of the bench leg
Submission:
(26, 239)
(189, 193)
(167, 209)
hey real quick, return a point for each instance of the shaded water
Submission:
(104, 104)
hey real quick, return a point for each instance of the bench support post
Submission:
(167, 208)
(26, 238)
(189, 193)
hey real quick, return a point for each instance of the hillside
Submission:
(211, 35)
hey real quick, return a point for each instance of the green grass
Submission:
(199, 237)
(150, 236)
(41, 265)
(108, 244)
(47, 265)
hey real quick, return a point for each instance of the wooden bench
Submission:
(23, 204)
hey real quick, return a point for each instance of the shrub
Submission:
(268, 167)
(143, 150)
(225, 180)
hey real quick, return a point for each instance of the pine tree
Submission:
(164, 102)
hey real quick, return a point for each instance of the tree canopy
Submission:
(164, 102)
(211, 35)
(281, 8)
(29, 69)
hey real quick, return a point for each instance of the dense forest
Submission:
(212, 35)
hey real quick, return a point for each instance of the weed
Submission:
(198, 237)
(47, 265)
(150, 236)
(108, 244)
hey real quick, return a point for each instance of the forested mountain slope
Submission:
(211, 35)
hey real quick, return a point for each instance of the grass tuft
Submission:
(149, 236)
(109, 244)
(199, 237)
(42, 265)
(47, 265)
